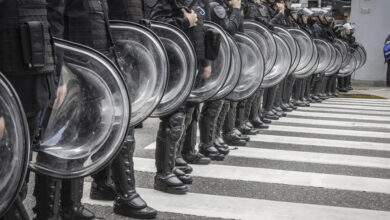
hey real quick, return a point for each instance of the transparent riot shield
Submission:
(234, 71)
(84, 131)
(282, 64)
(253, 68)
(350, 65)
(144, 64)
(14, 145)
(265, 40)
(306, 46)
(309, 68)
(324, 55)
(336, 65)
(289, 39)
(205, 89)
(182, 65)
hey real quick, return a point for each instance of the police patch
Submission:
(220, 11)
(151, 3)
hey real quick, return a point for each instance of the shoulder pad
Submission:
(151, 3)
(220, 11)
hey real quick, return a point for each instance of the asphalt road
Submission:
(328, 161)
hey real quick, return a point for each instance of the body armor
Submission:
(126, 10)
(33, 53)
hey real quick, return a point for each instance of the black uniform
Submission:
(29, 67)
(172, 127)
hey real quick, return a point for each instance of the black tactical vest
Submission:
(126, 10)
(88, 26)
(25, 42)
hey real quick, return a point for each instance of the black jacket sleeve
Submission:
(163, 11)
(229, 22)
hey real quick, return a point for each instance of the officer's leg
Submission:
(189, 153)
(254, 116)
(269, 103)
(219, 143)
(207, 122)
(231, 135)
(289, 87)
(348, 85)
(242, 120)
(127, 201)
(297, 94)
(168, 136)
(278, 99)
(316, 82)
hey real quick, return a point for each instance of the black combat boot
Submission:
(219, 143)
(289, 89)
(231, 135)
(188, 151)
(242, 124)
(128, 202)
(254, 114)
(168, 136)
(269, 102)
(102, 186)
(71, 207)
(207, 123)
(47, 194)
(279, 97)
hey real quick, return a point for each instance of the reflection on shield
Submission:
(205, 89)
(86, 130)
(144, 63)
(295, 55)
(350, 65)
(310, 67)
(252, 72)
(324, 55)
(342, 46)
(282, 64)
(182, 63)
(265, 40)
(363, 54)
(336, 65)
(234, 71)
(333, 57)
(306, 48)
(14, 145)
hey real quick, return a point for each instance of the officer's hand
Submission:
(2, 127)
(280, 7)
(235, 4)
(61, 94)
(206, 72)
(192, 17)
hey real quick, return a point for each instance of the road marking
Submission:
(306, 157)
(333, 123)
(327, 131)
(296, 178)
(350, 106)
(325, 110)
(243, 208)
(356, 103)
(341, 116)
(362, 100)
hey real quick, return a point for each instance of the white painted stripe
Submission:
(347, 101)
(342, 103)
(340, 132)
(318, 109)
(363, 100)
(317, 142)
(306, 157)
(333, 123)
(350, 106)
(243, 208)
(341, 116)
(296, 178)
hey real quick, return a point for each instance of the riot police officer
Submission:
(173, 127)
(344, 83)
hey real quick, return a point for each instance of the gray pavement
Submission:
(312, 177)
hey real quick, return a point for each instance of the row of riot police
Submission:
(80, 75)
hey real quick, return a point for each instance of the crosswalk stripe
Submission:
(318, 109)
(354, 103)
(340, 116)
(244, 208)
(334, 123)
(350, 106)
(362, 100)
(329, 181)
(316, 142)
(327, 131)
(306, 157)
